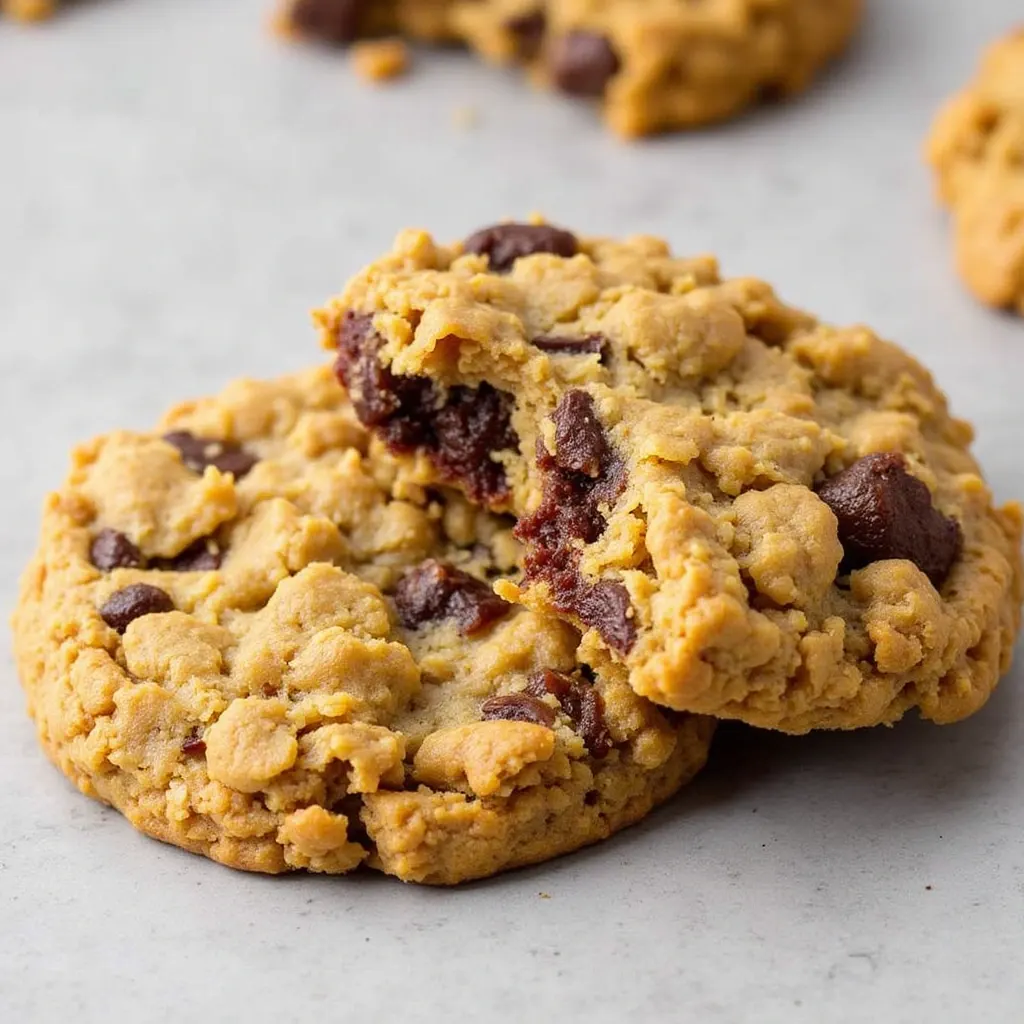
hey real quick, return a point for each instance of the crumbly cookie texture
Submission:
(247, 633)
(975, 149)
(28, 10)
(750, 513)
(654, 65)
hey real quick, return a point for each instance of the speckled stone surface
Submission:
(179, 187)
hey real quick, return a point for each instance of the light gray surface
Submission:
(177, 189)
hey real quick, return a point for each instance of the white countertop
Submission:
(177, 189)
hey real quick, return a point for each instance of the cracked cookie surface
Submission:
(976, 149)
(653, 65)
(246, 632)
(751, 514)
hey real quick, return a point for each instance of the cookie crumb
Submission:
(544, 895)
(380, 60)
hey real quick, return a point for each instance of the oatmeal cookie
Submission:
(976, 149)
(653, 65)
(752, 514)
(28, 10)
(251, 636)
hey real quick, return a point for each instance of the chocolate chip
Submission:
(370, 385)
(528, 31)
(123, 607)
(582, 63)
(331, 21)
(885, 512)
(459, 431)
(199, 452)
(111, 549)
(503, 244)
(435, 590)
(193, 745)
(580, 444)
(518, 707)
(581, 703)
(201, 556)
(589, 344)
(603, 605)
(473, 423)
(584, 474)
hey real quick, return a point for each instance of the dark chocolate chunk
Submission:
(503, 244)
(583, 63)
(123, 607)
(459, 431)
(528, 31)
(435, 590)
(111, 549)
(583, 474)
(371, 386)
(201, 556)
(885, 512)
(518, 707)
(580, 443)
(331, 21)
(589, 344)
(193, 744)
(603, 605)
(581, 703)
(199, 452)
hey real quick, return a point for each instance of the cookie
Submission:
(751, 514)
(251, 636)
(653, 65)
(28, 10)
(975, 149)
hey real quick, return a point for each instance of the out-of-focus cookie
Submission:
(976, 148)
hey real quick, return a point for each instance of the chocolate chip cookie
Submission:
(976, 148)
(255, 637)
(28, 10)
(653, 65)
(748, 513)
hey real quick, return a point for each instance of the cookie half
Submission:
(750, 513)
(975, 149)
(653, 65)
(251, 636)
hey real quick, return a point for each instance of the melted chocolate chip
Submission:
(885, 512)
(589, 344)
(199, 452)
(583, 63)
(581, 703)
(528, 31)
(458, 431)
(584, 474)
(518, 707)
(193, 745)
(123, 607)
(111, 550)
(503, 244)
(603, 605)
(436, 591)
(580, 444)
(371, 386)
(202, 556)
(331, 21)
